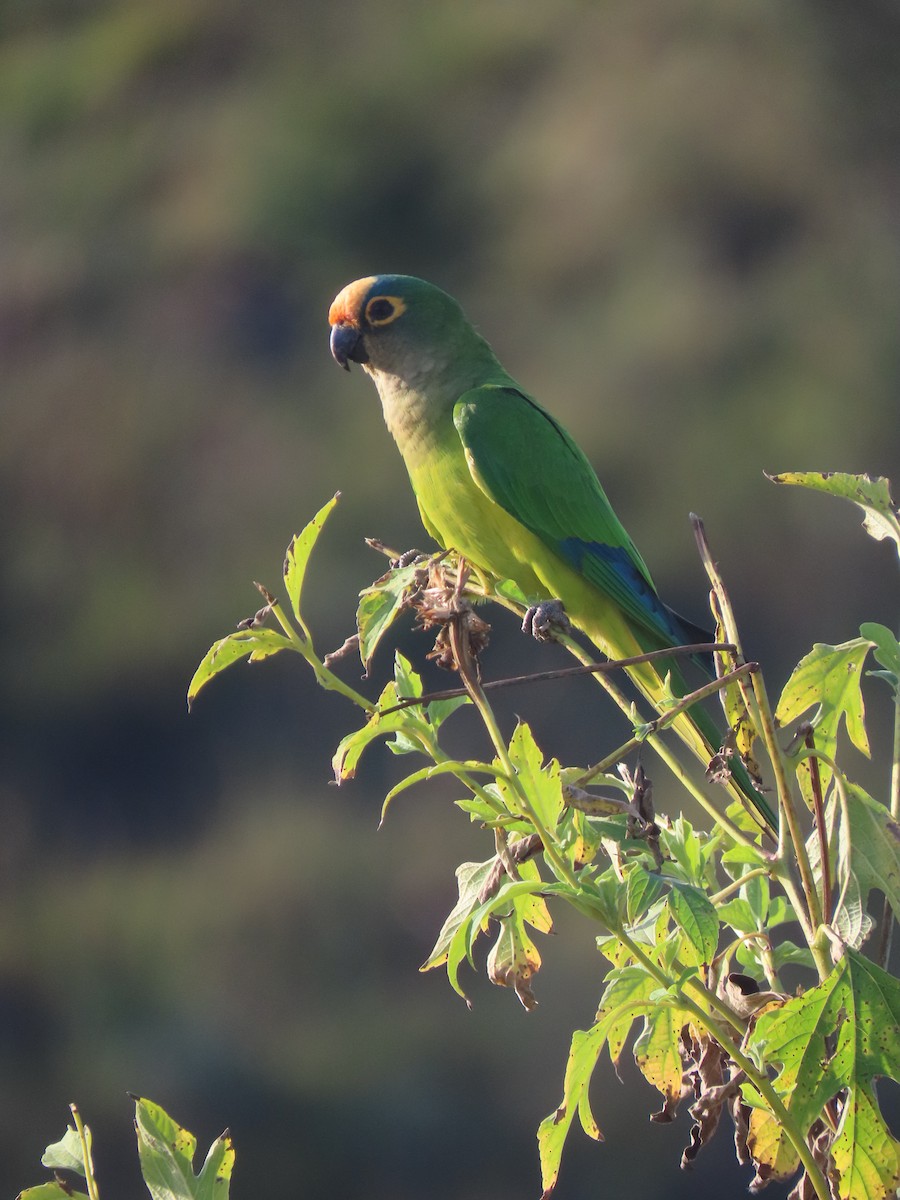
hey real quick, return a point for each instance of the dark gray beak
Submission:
(347, 346)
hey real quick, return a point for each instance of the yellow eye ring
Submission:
(382, 310)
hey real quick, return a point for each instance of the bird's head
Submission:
(395, 324)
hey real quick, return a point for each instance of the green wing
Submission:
(527, 463)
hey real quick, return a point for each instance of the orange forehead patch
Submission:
(346, 309)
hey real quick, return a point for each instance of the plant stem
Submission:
(759, 1080)
(86, 1156)
(303, 645)
(662, 749)
(469, 675)
(765, 721)
(737, 884)
(661, 722)
(887, 916)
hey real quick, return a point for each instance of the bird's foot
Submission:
(408, 558)
(545, 620)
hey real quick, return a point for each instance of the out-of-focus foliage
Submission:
(676, 223)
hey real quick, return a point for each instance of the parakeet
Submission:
(500, 481)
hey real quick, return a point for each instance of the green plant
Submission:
(678, 907)
(166, 1154)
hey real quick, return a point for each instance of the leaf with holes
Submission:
(831, 1044)
(873, 496)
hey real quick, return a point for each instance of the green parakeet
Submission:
(499, 480)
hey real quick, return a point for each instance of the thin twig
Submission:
(565, 673)
(811, 919)
(658, 724)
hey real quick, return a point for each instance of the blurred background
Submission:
(678, 225)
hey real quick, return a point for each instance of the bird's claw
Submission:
(408, 558)
(545, 620)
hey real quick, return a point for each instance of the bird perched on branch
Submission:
(500, 481)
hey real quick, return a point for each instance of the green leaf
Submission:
(379, 607)
(448, 766)
(695, 916)
(828, 678)
(873, 496)
(739, 915)
(657, 1049)
(167, 1156)
(690, 852)
(439, 710)
(869, 853)
(541, 784)
(51, 1191)
(789, 953)
(350, 747)
(842, 1034)
(586, 1047)
(298, 552)
(470, 879)
(642, 890)
(67, 1154)
(511, 591)
(886, 652)
(253, 644)
(628, 990)
(408, 681)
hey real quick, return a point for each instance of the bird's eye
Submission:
(381, 310)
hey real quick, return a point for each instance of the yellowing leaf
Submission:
(872, 495)
(252, 644)
(167, 1156)
(298, 552)
(831, 1044)
(586, 1047)
(657, 1050)
(828, 678)
(379, 607)
(542, 784)
(514, 959)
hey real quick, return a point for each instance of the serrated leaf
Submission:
(514, 959)
(67, 1154)
(586, 1047)
(873, 496)
(167, 1157)
(379, 607)
(470, 879)
(297, 557)
(541, 784)
(627, 990)
(351, 746)
(252, 644)
(695, 916)
(690, 854)
(828, 678)
(841, 1035)
(657, 1049)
